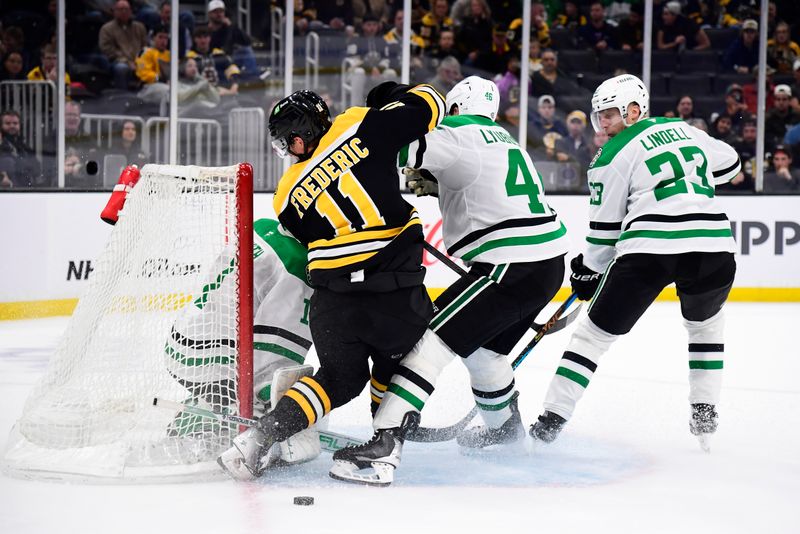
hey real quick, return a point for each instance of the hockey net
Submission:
(168, 314)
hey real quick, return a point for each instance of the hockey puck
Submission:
(304, 501)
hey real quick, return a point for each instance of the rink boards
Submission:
(50, 240)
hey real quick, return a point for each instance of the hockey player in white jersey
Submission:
(653, 221)
(496, 219)
(201, 339)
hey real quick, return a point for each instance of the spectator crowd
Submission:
(704, 69)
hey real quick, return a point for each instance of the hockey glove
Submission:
(127, 179)
(584, 281)
(421, 182)
(385, 93)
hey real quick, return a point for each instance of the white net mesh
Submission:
(159, 319)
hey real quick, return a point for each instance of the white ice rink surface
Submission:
(625, 463)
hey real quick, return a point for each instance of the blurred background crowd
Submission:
(704, 69)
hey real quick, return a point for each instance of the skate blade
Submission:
(379, 475)
(705, 442)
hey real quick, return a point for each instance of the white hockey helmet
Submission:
(474, 96)
(619, 92)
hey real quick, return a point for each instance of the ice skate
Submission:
(547, 428)
(703, 423)
(250, 455)
(480, 437)
(374, 462)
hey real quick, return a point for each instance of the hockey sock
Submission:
(414, 381)
(492, 380)
(376, 393)
(576, 368)
(305, 403)
(705, 358)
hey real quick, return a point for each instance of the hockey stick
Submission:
(460, 271)
(330, 441)
(446, 433)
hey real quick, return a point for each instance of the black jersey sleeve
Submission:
(405, 113)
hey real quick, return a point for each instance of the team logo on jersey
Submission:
(596, 157)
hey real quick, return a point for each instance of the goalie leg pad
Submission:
(414, 381)
(576, 368)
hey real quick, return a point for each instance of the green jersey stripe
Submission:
(477, 286)
(515, 242)
(598, 241)
(280, 351)
(675, 234)
(191, 361)
(454, 121)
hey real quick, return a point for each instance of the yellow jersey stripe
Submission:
(432, 104)
(375, 399)
(365, 235)
(356, 237)
(313, 384)
(304, 405)
(340, 262)
(330, 141)
(355, 258)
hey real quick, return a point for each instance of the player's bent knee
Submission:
(488, 368)
(709, 331)
(590, 339)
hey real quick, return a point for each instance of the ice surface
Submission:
(626, 462)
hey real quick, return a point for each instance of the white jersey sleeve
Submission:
(438, 150)
(490, 194)
(608, 205)
(652, 192)
(723, 161)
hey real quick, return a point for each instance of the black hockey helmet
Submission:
(302, 114)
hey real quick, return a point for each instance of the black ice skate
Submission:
(511, 431)
(547, 428)
(381, 454)
(703, 423)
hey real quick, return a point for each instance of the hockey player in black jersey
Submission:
(342, 199)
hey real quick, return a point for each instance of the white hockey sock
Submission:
(492, 380)
(577, 367)
(706, 351)
(414, 382)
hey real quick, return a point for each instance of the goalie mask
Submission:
(620, 92)
(302, 114)
(474, 96)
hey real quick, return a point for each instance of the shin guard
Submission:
(414, 381)
(705, 358)
(577, 367)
